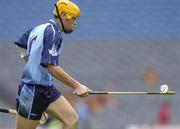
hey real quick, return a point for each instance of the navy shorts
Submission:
(32, 100)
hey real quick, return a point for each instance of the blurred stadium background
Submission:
(121, 45)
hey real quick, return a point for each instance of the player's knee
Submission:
(76, 118)
(74, 121)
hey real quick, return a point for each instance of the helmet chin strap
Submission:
(59, 17)
(63, 28)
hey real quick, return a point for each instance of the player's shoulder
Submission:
(52, 34)
(51, 30)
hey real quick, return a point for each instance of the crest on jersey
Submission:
(53, 51)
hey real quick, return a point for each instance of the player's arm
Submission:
(25, 58)
(49, 59)
(23, 53)
(62, 76)
(21, 45)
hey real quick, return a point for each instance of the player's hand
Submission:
(82, 91)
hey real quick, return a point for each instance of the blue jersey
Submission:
(43, 44)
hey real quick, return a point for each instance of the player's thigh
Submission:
(62, 110)
(23, 123)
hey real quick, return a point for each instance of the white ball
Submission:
(164, 88)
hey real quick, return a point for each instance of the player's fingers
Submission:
(81, 93)
(85, 92)
(84, 95)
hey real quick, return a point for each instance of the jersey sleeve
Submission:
(22, 41)
(51, 46)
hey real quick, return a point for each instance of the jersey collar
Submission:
(55, 24)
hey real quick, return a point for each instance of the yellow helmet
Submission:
(67, 7)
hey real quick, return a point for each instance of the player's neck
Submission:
(59, 24)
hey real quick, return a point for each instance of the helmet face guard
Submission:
(59, 18)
